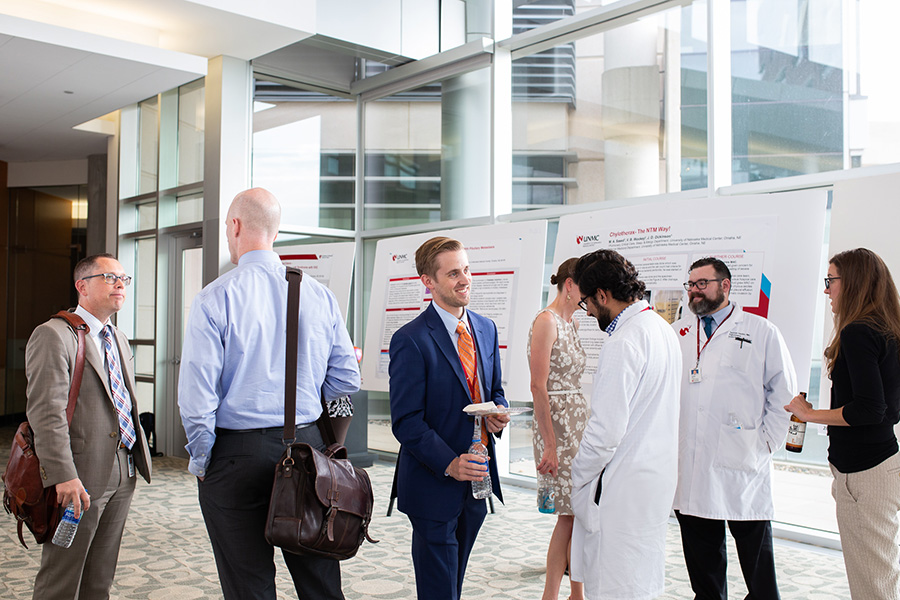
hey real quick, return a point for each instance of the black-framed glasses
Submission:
(582, 304)
(828, 281)
(111, 278)
(700, 284)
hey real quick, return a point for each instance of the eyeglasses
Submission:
(700, 284)
(582, 304)
(828, 281)
(111, 278)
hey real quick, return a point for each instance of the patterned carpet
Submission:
(166, 553)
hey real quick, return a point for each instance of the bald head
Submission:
(252, 222)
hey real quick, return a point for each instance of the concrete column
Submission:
(96, 199)
(630, 95)
(226, 168)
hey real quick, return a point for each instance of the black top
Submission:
(866, 382)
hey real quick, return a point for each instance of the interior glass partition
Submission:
(617, 114)
(787, 64)
(304, 152)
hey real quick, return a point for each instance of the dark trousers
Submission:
(440, 550)
(703, 541)
(234, 499)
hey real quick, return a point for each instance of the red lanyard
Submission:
(699, 349)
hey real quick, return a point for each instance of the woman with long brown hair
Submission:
(863, 361)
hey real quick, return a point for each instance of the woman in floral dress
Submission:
(556, 360)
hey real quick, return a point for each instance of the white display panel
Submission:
(507, 264)
(329, 264)
(772, 244)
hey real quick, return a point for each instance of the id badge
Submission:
(695, 375)
(131, 465)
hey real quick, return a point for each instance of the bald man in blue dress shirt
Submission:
(231, 397)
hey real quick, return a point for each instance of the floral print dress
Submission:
(569, 409)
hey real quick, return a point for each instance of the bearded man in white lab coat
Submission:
(624, 473)
(736, 379)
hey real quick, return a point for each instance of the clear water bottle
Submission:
(546, 493)
(480, 489)
(68, 525)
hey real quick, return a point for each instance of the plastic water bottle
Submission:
(546, 493)
(480, 489)
(68, 525)
(734, 422)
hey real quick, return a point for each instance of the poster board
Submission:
(329, 264)
(771, 243)
(506, 262)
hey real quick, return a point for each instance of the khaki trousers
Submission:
(867, 506)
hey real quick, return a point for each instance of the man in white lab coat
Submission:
(736, 379)
(625, 470)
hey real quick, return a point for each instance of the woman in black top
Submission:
(863, 362)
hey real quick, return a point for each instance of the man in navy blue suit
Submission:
(429, 391)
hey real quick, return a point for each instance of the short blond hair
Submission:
(426, 255)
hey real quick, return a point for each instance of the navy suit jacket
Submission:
(428, 393)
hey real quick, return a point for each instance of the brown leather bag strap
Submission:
(294, 277)
(81, 329)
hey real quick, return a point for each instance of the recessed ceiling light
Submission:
(68, 92)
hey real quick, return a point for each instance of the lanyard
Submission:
(699, 349)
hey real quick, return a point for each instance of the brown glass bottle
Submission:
(796, 433)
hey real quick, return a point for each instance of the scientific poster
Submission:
(329, 264)
(506, 263)
(771, 243)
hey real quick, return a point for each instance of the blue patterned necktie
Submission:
(707, 325)
(121, 399)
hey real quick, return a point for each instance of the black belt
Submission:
(263, 431)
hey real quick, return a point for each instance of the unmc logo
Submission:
(684, 331)
(578, 239)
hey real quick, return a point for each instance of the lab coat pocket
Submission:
(738, 449)
(584, 508)
(738, 355)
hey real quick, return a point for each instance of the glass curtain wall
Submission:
(617, 114)
(161, 143)
(304, 152)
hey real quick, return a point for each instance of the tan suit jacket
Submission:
(87, 448)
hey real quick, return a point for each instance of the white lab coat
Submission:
(746, 379)
(630, 446)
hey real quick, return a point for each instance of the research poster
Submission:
(772, 243)
(506, 263)
(329, 264)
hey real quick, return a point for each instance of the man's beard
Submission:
(706, 306)
(604, 317)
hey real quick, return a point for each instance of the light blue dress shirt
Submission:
(719, 316)
(232, 362)
(450, 322)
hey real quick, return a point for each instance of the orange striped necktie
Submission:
(467, 357)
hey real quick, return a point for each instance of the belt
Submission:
(561, 392)
(262, 431)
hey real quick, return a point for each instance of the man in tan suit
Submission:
(93, 461)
